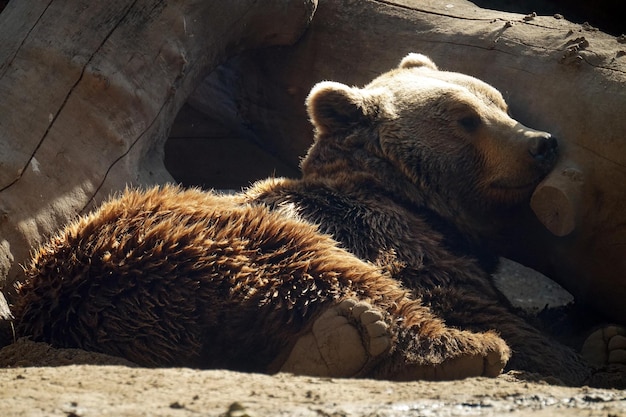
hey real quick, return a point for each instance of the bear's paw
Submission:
(456, 354)
(606, 346)
(486, 355)
(344, 341)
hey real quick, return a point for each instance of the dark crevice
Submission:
(606, 15)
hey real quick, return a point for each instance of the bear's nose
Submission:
(543, 147)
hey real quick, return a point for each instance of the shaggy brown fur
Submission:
(406, 174)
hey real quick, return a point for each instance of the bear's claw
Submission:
(343, 341)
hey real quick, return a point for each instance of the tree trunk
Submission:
(557, 76)
(90, 90)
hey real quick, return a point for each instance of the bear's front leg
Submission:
(397, 340)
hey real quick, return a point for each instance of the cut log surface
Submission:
(557, 200)
(90, 89)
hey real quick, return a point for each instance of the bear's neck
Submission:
(355, 170)
(365, 178)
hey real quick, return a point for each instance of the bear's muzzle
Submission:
(544, 150)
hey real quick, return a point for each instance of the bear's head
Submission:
(438, 139)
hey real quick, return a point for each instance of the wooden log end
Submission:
(557, 199)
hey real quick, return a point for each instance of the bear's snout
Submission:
(544, 148)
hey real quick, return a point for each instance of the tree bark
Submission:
(90, 89)
(557, 76)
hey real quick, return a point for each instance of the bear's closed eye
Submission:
(470, 123)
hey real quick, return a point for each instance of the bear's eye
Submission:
(470, 123)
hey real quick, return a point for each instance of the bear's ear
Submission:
(335, 107)
(414, 60)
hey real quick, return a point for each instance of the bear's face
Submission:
(446, 134)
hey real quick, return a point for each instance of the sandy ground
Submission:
(36, 380)
(86, 390)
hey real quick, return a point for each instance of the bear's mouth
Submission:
(509, 192)
(520, 184)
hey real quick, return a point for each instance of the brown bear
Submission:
(375, 263)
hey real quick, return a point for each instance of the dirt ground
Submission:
(88, 390)
(37, 380)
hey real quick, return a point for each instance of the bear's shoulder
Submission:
(368, 223)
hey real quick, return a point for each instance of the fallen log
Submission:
(557, 76)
